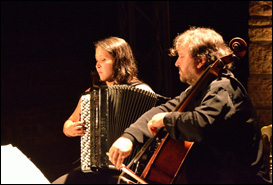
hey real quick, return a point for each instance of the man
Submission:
(220, 119)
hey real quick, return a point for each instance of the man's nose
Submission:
(176, 63)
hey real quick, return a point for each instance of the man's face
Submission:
(186, 66)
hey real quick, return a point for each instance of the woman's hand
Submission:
(156, 122)
(120, 149)
(73, 129)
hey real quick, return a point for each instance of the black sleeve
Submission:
(215, 107)
(138, 131)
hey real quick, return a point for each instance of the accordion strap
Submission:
(135, 83)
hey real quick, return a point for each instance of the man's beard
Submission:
(189, 79)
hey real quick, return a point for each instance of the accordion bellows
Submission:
(107, 112)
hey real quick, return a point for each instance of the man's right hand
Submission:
(120, 149)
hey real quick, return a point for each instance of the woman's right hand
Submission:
(73, 129)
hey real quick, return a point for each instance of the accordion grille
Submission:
(107, 112)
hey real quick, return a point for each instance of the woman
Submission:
(115, 65)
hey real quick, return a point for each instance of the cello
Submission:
(158, 170)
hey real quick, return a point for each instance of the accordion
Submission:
(107, 111)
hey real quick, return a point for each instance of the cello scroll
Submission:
(239, 48)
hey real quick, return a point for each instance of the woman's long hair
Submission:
(124, 68)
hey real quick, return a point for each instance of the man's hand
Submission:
(156, 122)
(120, 149)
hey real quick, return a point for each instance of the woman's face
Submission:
(104, 65)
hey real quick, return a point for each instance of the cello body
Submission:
(173, 153)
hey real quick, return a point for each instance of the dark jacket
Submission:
(221, 122)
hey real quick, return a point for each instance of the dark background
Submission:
(47, 54)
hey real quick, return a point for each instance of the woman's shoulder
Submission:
(141, 85)
(144, 86)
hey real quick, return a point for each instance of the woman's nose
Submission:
(98, 65)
